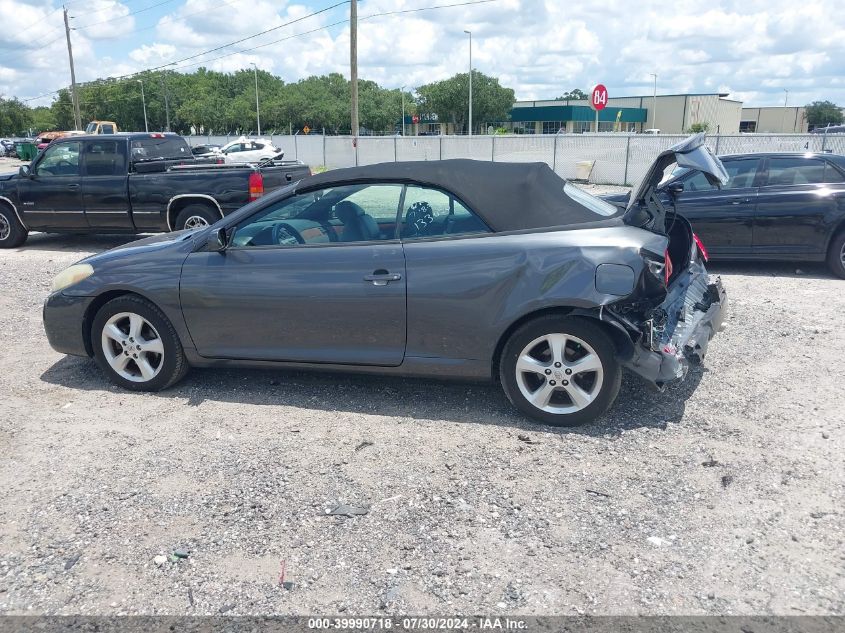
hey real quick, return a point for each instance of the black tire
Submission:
(836, 255)
(194, 212)
(603, 386)
(172, 364)
(12, 232)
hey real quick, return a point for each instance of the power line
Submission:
(328, 26)
(246, 50)
(438, 6)
(121, 17)
(168, 18)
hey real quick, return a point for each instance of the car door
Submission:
(723, 218)
(793, 205)
(309, 278)
(105, 189)
(51, 198)
(447, 273)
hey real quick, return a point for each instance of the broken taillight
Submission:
(700, 246)
(256, 186)
(667, 267)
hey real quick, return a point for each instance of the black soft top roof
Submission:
(507, 196)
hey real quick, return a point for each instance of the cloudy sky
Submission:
(752, 49)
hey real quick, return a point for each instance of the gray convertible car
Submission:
(447, 269)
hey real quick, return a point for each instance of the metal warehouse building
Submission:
(671, 114)
(778, 120)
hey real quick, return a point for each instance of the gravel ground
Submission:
(723, 495)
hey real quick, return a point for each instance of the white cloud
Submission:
(752, 48)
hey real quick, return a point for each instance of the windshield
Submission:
(589, 201)
(167, 148)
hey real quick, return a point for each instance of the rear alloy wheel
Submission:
(836, 255)
(560, 371)
(196, 216)
(136, 345)
(12, 232)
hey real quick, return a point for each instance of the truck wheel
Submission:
(836, 255)
(12, 232)
(136, 346)
(560, 371)
(196, 216)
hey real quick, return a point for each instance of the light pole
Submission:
(257, 111)
(654, 104)
(402, 90)
(470, 80)
(783, 116)
(144, 103)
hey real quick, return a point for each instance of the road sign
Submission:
(598, 97)
(306, 129)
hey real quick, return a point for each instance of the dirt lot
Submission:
(722, 495)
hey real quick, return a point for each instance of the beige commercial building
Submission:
(671, 114)
(774, 119)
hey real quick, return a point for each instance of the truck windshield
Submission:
(167, 148)
(92, 128)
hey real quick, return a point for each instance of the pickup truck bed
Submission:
(129, 183)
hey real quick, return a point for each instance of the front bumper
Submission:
(64, 323)
(695, 309)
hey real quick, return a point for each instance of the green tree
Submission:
(822, 113)
(695, 128)
(449, 99)
(15, 117)
(573, 95)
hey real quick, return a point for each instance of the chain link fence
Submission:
(611, 159)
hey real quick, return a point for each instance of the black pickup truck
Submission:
(129, 183)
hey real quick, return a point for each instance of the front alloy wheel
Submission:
(132, 347)
(560, 370)
(136, 346)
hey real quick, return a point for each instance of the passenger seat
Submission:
(357, 225)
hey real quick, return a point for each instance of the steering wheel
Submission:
(285, 235)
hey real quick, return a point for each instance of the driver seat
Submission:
(357, 225)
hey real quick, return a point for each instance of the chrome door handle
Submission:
(381, 278)
(740, 200)
(74, 186)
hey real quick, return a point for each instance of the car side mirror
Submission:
(217, 241)
(676, 188)
(24, 172)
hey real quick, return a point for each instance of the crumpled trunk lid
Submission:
(645, 209)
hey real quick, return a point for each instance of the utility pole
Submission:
(353, 63)
(783, 116)
(77, 119)
(166, 103)
(654, 104)
(470, 80)
(144, 103)
(402, 90)
(257, 111)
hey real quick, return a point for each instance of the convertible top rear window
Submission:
(591, 202)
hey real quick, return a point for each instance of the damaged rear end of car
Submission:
(676, 307)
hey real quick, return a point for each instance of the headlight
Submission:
(72, 275)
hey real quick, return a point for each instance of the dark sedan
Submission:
(775, 206)
(452, 269)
